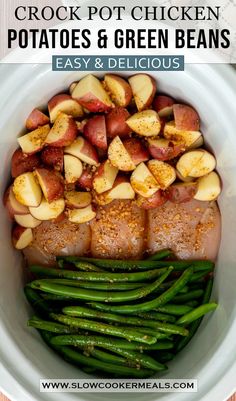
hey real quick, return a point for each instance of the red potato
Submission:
(27, 220)
(145, 123)
(116, 123)
(119, 157)
(156, 200)
(121, 189)
(53, 157)
(163, 105)
(90, 94)
(95, 131)
(83, 215)
(12, 205)
(143, 182)
(188, 138)
(144, 88)
(86, 179)
(181, 192)
(186, 118)
(34, 141)
(22, 163)
(65, 104)
(136, 149)
(196, 163)
(48, 211)
(21, 237)
(181, 178)
(72, 87)
(163, 149)
(51, 183)
(163, 172)
(119, 89)
(77, 200)
(27, 190)
(208, 187)
(73, 169)
(104, 177)
(63, 131)
(36, 119)
(82, 149)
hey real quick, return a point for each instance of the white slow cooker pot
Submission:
(210, 357)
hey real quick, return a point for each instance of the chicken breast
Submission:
(191, 229)
(52, 239)
(118, 231)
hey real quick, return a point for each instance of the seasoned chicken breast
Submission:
(118, 231)
(58, 238)
(191, 229)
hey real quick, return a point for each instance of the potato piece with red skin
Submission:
(157, 199)
(27, 189)
(119, 157)
(144, 88)
(12, 205)
(53, 157)
(145, 123)
(83, 215)
(186, 117)
(34, 141)
(90, 93)
(143, 181)
(95, 131)
(136, 149)
(121, 189)
(163, 149)
(48, 211)
(63, 131)
(116, 123)
(21, 237)
(82, 149)
(163, 105)
(73, 169)
(186, 137)
(86, 179)
(163, 172)
(27, 220)
(65, 104)
(36, 119)
(119, 89)
(22, 163)
(104, 177)
(181, 192)
(77, 200)
(51, 183)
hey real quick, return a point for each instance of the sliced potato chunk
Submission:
(163, 172)
(143, 181)
(48, 211)
(145, 123)
(196, 163)
(80, 216)
(26, 190)
(209, 187)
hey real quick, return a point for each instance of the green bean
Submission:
(104, 356)
(194, 325)
(76, 358)
(139, 359)
(103, 342)
(35, 300)
(50, 326)
(199, 275)
(87, 267)
(127, 333)
(145, 264)
(79, 311)
(189, 296)
(55, 297)
(164, 298)
(192, 304)
(104, 296)
(94, 285)
(173, 309)
(197, 313)
(156, 316)
(97, 276)
(162, 254)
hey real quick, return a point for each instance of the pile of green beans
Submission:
(120, 318)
